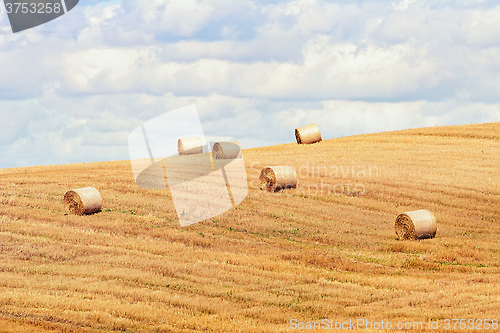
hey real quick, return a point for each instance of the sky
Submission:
(73, 89)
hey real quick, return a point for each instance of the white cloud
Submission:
(180, 17)
(482, 27)
(327, 71)
(402, 5)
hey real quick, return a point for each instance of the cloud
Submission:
(482, 27)
(327, 70)
(298, 53)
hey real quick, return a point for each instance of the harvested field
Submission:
(323, 250)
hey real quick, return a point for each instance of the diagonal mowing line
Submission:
(211, 155)
(147, 144)
(165, 175)
(228, 187)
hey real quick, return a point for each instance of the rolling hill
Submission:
(325, 251)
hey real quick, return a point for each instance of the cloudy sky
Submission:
(73, 89)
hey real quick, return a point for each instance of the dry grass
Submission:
(298, 253)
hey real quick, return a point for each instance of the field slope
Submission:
(324, 250)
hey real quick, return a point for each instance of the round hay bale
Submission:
(274, 178)
(83, 201)
(308, 134)
(418, 224)
(189, 146)
(226, 150)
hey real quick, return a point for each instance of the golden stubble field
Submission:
(326, 250)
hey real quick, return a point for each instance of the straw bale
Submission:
(418, 224)
(308, 134)
(189, 146)
(83, 201)
(226, 150)
(274, 178)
